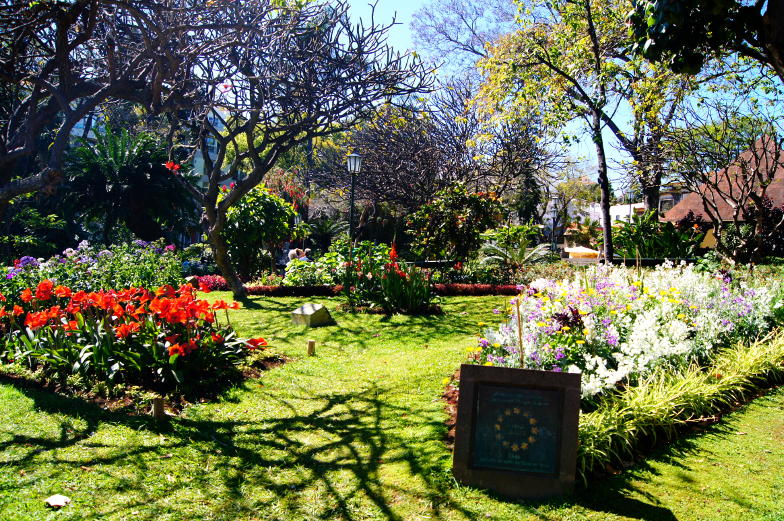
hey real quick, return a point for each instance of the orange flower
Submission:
(44, 290)
(62, 291)
(26, 295)
(234, 305)
(18, 310)
(36, 320)
(176, 349)
(204, 287)
(123, 330)
(217, 338)
(71, 325)
(220, 304)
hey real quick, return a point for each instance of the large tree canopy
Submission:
(685, 33)
(61, 60)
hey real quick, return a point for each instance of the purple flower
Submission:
(496, 311)
(140, 243)
(27, 261)
(556, 369)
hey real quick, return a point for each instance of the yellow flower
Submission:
(481, 324)
(693, 307)
(540, 324)
(613, 312)
(566, 328)
(488, 363)
(445, 381)
(674, 301)
(496, 345)
(586, 331)
(581, 341)
(681, 316)
(545, 299)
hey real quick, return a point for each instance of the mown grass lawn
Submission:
(355, 433)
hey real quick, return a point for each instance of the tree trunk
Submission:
(650, 197)
(221, 251)
(773, 35)
(604, 184)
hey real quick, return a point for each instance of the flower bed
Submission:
(165, 340)
(658, 350)
(615, 326)
(218, 283)
(91, 268)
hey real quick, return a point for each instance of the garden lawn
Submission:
(355, 433)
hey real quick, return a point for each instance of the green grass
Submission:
(354, 433)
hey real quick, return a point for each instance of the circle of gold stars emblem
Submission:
(520, 443)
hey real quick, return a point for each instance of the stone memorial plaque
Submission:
(516, 430)
(312, 315)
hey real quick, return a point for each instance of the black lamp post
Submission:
(354, 164)
(555, 200)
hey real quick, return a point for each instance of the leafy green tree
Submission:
(451, 225)
(685, 33)
(569, 62)
(254, 227)
(124, 179)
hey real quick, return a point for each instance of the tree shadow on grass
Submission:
(332, 456)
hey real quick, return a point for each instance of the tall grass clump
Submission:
(658, 406)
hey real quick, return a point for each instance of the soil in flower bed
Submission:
(133, 400)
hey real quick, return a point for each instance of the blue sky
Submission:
(400, 34)
(402, 11)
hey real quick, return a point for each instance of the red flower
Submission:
(18, 310)
(253, 343)
(393, 252)
(172, 166)
(44, 290)
(204, 287)
(458, 266)
(36, 320)
(176, 349)
(26, 295)
(217, 338)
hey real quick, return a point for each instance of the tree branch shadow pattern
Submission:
(285, 460)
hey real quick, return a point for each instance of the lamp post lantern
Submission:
(354, 164)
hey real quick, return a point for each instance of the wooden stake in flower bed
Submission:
(519, 331)
(158, 411)
(311, 348)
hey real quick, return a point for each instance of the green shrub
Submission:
(388, 285)
(450, 226)
(88, 268)
(254, 226)
(646, 237)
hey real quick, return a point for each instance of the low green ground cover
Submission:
(356, 432)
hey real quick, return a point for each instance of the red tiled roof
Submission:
(727, 179)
